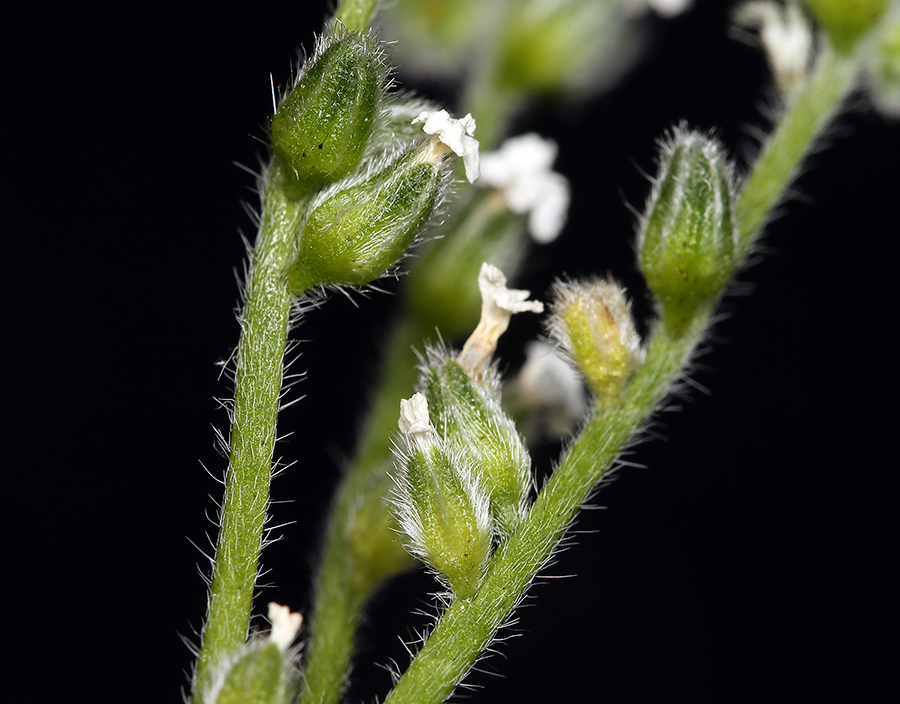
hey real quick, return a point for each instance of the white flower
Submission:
(455, 135)
(285, 625)
(498, 304)
(786, 36)
(521, 168)
(551, 390)
(415, 423)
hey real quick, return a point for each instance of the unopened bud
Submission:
(474, 425)
(440, 504)
(322, 127)
(355, 234)
(592, 323)
(846, 21)
(688, 237)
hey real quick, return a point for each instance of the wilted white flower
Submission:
(522, 169)
(455, 135)
(498, 304)
(285, 625)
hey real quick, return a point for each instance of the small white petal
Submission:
(285, 625)
(786, 36)
(414, 422)
(495, 295)
(521, 168)
(456, 135)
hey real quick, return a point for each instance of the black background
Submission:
(750, 559)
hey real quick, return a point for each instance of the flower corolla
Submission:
(498, 304)
(522, 169)
(455, 135)
(786, 36)
(285, 625)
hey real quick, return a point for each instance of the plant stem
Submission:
(360, 547)
(467, 627)
(791, 141)
(260, 358)
(355, 15)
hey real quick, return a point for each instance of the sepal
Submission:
(321, 129)
(262, 670)
(846, 21)
(474, 426)
(440, 504)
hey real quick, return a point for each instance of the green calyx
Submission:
(846, 21)
(688, 237)
(593, 325)
(260, 675)
(322, 127)
(468, 416)
(356, 234)
(454, 537)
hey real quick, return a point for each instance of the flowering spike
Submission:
(592, 323)
(687, 241)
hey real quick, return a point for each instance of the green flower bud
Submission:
(592, 323)
(440, 504)
(472, 423)
(438, 35)
(846, 21)
(550, 47)
(688, 237)
(322, 127)
(262, 671)
(356, 231)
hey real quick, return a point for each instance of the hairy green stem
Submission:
(348, 572)
(791, 142)
(355, 15)
(468, 626)
(260, 358)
